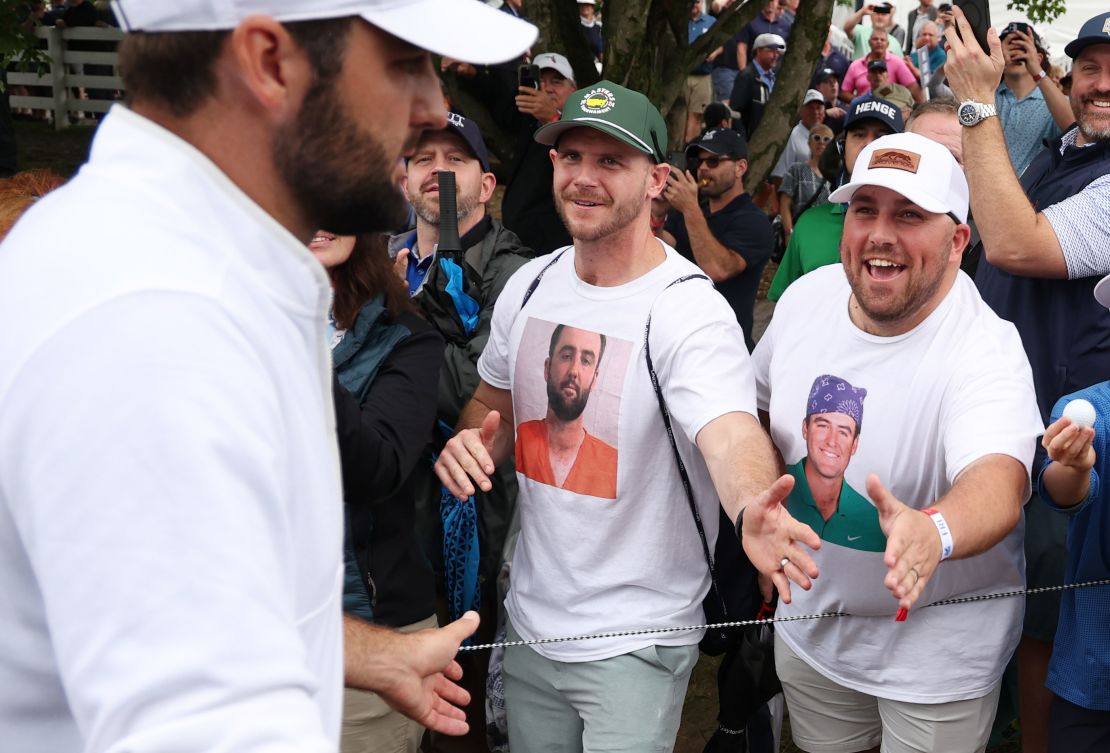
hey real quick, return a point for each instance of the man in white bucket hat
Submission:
(170, 501)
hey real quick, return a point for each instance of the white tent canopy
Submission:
(1056, 34)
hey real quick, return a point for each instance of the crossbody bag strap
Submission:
(536, 282)
(686, 485)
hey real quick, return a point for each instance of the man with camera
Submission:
(1031, 107)
(528, 208)
(881, 16)
(1045, 243)
(729, 237)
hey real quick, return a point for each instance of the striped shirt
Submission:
(1080, 225)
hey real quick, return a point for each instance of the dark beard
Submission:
(338, 173)
(563, 410)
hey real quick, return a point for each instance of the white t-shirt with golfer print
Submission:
(586, 562)
(953, 390)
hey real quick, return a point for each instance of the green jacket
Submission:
(815, 243)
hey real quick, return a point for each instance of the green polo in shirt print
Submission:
(821, 498)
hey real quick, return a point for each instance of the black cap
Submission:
(715, 112)
(472, 135)
(877, 65)
(720, 141)
(871, 107)
(824, 74)
(1095, 31)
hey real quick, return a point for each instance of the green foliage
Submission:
(1038, 11)
(17, 37)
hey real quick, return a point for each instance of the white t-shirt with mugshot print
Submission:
(955, 389)
(589, 563)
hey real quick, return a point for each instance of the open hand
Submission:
(467, 458)
(912, 544)
(425, 690)
(771, 534)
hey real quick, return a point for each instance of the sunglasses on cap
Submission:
(820, 139)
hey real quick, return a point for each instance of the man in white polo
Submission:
(945, 460)
(170, 500)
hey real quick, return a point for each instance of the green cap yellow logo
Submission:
(598, 101)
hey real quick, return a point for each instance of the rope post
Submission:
(56, 50)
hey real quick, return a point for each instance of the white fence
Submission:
(65, 74)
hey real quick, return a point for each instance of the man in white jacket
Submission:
(170, 518)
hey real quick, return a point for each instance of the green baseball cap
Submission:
(624, 114)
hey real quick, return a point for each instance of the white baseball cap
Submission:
(464, 29)
(812, 95)
(920, 169)
(555, 62)
(769, 40)
(1102, 291)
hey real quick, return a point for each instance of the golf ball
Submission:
(1081, 413)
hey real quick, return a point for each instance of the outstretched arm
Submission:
(981, 508)
(745, 471)
(1016, 238)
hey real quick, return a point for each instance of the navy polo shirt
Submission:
(742, 227)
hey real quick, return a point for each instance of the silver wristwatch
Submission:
(973, 113)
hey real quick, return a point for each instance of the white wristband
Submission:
(946, 543)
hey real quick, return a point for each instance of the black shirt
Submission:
(743, 228)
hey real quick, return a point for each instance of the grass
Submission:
(41, 147)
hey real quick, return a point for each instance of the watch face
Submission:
(969, 114)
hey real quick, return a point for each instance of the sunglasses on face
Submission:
(821, 139)
(713, 162)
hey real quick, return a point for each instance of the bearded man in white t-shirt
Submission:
(594, 559)
(952, 425)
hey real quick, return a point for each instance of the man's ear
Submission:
(489, 182)
(270, 71)
(741, 168)
(657, 179)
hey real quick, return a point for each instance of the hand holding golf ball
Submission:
(1081, 413)
(1069, 439)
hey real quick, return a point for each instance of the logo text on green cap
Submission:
(598, 101)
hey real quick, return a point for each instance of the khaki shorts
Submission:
(699, 92)
(825, 716)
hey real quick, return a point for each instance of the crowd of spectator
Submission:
(906, 138)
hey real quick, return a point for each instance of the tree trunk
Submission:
(807, 37)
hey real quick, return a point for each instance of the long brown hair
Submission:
(366, 274)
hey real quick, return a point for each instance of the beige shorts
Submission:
(825, 716)
(699, 92)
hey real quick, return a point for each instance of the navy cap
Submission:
(824, 74)
(720, 141)
(472, 135)
(874, 108)
(877, 65)
(1095, 31)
